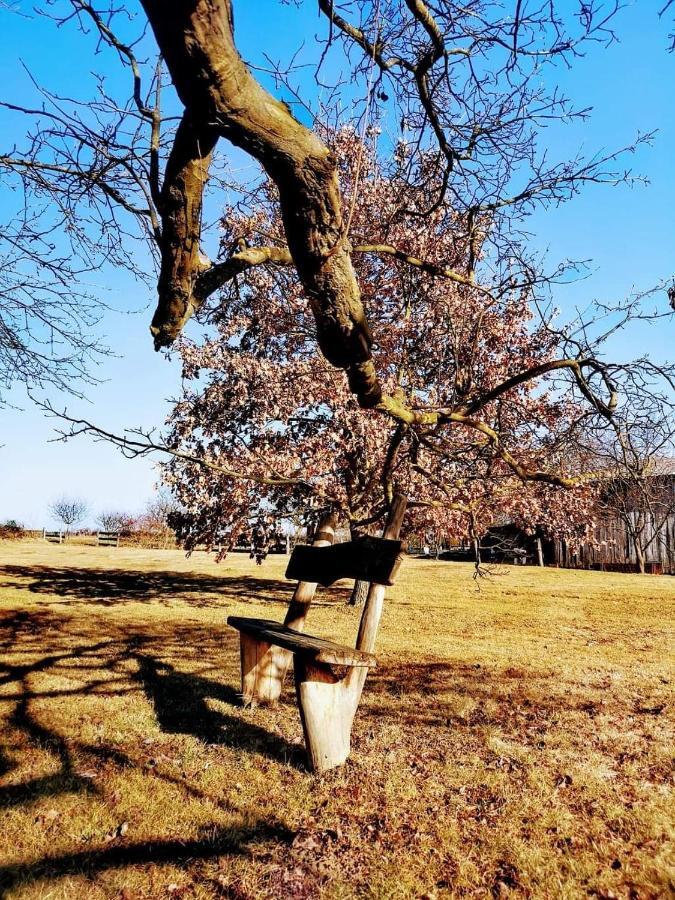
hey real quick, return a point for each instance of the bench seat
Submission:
(315, 648)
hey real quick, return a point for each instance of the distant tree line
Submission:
(152, 527)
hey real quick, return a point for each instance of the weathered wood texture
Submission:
(223, 99)
(327, 707)
(372, 610)
(327, 699)
(315, 648)
(107, 538)
(328, 703)
(611, 545)
(371, 559)
(259, 674)
(305, 590)
(264, 669)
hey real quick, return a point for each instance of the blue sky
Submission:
(629, 234)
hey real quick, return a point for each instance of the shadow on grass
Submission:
(234, 841)
(40, 644)
(522, 704)
(182, 670)
(109, 587)
(187, 671)
(179, 700)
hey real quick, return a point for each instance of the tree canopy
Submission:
(260, 402)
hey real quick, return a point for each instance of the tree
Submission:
(114, 520)
(47, 334)
(254, 408)
(49, 249)
(463, 87)
(157, 518)
(69, 510)
(638, 489)
(11, 530)
(429, 57)
(662, 12)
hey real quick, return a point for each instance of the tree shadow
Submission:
(65, 780)
(180, 701)
(189, 693)
(109, 587)
(233, 841)
(39, 644)
(23, 634)
(521, 703)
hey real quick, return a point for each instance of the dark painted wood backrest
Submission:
(372, 559)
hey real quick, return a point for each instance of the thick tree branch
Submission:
(240, 261)
(212, 277)
(577, 366)
(186, 175)
(220, 93)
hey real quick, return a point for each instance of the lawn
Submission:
(515, 740)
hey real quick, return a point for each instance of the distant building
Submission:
(610, 548)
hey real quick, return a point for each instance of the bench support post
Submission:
(327, 706)
(372, 610)
(260, 682)
(327, 703)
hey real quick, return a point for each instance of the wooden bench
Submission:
(329, 677)
(107, 538)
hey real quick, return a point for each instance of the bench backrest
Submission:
(371, 559)
(365, 559)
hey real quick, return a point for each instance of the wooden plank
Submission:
(327, 707)
(305, 644)
(304, 591)
(259, 677)
(367, 559)
(263, 665)
(372, 610)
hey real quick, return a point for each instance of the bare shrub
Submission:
(69, 511)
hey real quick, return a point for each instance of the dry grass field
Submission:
(514, 741)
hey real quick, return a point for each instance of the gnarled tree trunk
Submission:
(359, 593)
(223, 99)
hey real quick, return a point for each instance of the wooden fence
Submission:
(54, 537)
(107, 538)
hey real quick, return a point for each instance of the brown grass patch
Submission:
(515, 741)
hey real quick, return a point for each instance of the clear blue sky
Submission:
(629, 234)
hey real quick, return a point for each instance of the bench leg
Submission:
(263, 668)
(327, 708)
